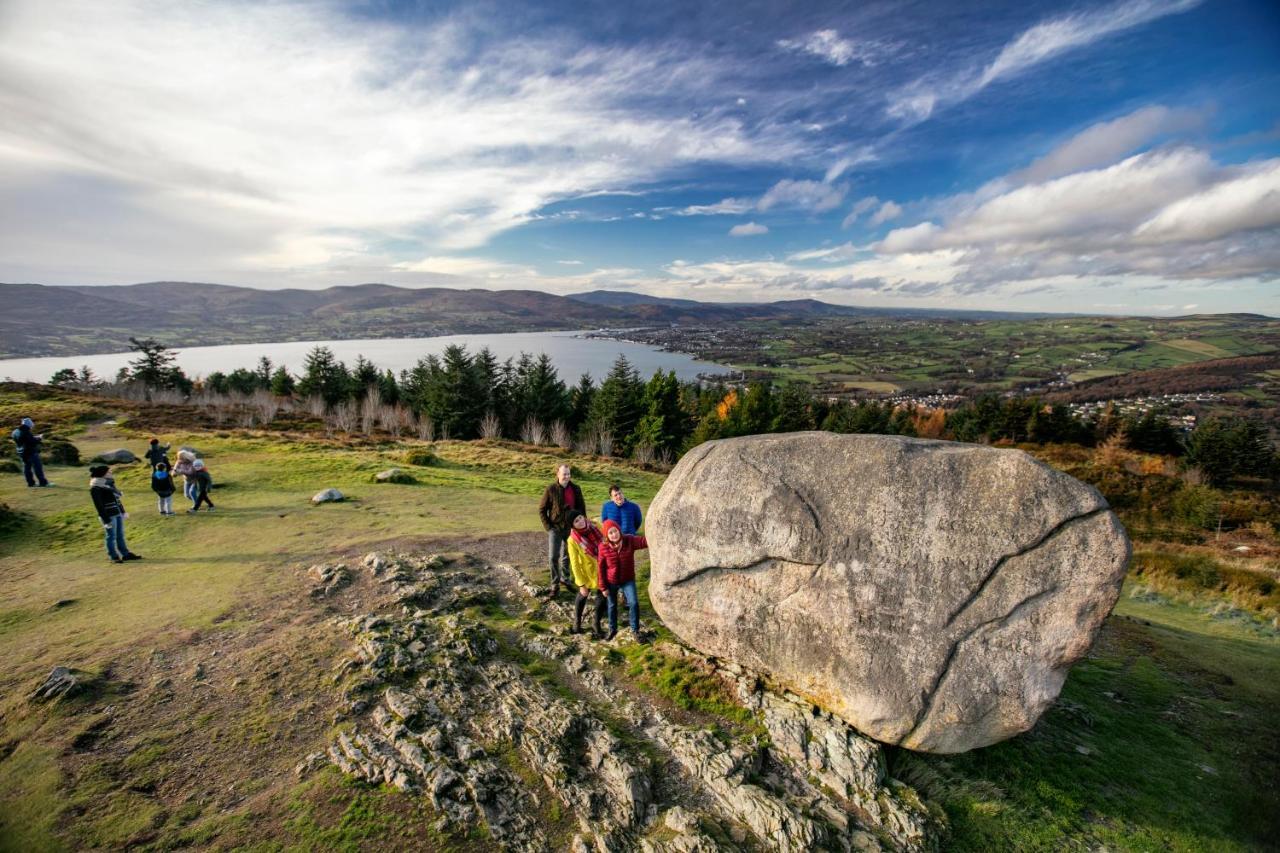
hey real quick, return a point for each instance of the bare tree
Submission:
(604, 440)
(643, 453)
(533, 431)
(316, 405)
(369, 409)
(345, 416)
(426, 427)
(560, 435)
(490, 426)
(267, 404)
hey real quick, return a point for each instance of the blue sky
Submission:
(1093, 156)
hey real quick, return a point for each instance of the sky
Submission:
(1101, 157)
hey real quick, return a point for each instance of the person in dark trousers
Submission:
(29, 452)
(106, 500)
(157, 453)
(617, 559)
(203, 481)
(162, 485)
(559, 497)
(626, 513)
(584, 544)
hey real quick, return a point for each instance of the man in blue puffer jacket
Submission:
(618, 509)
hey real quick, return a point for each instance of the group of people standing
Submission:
(597, 561)
(108, 500)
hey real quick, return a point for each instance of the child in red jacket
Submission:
(617, 558)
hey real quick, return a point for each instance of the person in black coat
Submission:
(29, 452)
(157, 453)
(106, 500)
(559, 500)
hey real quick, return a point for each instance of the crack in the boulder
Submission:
(1031, 546)
(927, 706)
(744, 568)
(800, 496)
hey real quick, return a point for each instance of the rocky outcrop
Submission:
(931, 594)
(524, 733)
(327, 496)
(329, 578)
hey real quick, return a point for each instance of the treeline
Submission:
(465, 396)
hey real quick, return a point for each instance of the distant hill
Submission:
(42, 320)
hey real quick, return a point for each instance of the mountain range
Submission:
(44, 320)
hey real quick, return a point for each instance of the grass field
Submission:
(209, 669)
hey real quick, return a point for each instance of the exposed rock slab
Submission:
(932, 594)
(327, 496)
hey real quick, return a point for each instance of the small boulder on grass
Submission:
(115, 457)
(328, 496)
(394, 475)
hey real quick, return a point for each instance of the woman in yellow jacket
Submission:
(584, 540)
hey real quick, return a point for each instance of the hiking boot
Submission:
(609, 637)
(132, 556)
(114, 560)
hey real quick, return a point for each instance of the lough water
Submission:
(572, 355)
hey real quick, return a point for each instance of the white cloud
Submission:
(1249, 202)
(815, 196)
(828, 46)
(570, 263)
(1048, 39)
(1035, 45)
(1167, 214)
(889, 210)
(860, 207)
(748, 229)
(243, 110)
(727, 206)
(1105, 142)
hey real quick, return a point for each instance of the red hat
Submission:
(610, 523)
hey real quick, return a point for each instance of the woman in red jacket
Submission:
(617, 558)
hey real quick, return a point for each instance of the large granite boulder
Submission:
(932, 594)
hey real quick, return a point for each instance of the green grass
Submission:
(1170, 689)
(1164, 695)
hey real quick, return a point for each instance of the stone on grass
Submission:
(120, 456)
(931, 594)
(327, 496)
(60, 682)
(394, 475)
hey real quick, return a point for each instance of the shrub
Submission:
(10, 466)
(58, 451)
(1198, 506)
(423, 456)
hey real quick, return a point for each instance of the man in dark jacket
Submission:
(559, 498)
(106, 500)
(157, 453)
(29, 452)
